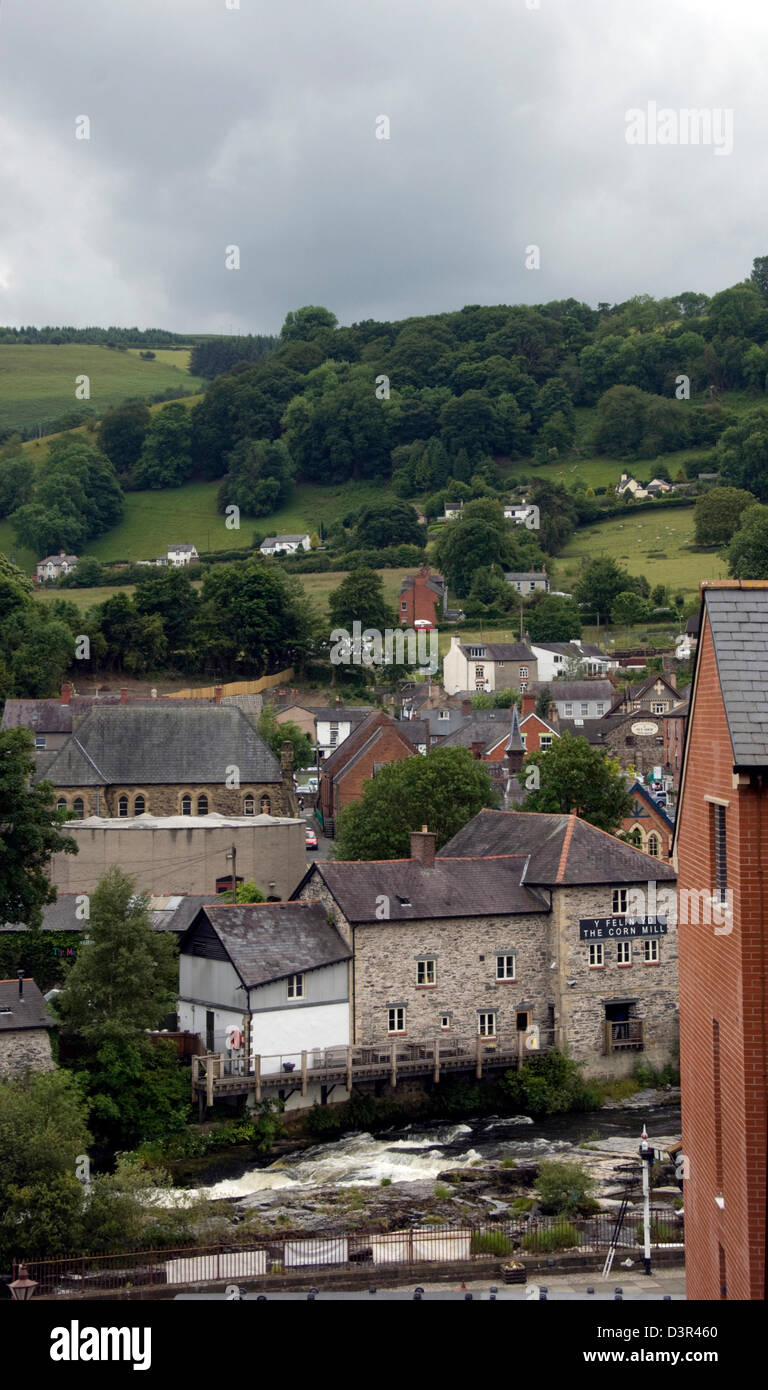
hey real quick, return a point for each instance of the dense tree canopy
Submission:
(76, 497)
(443, 791)
(574, 776)
(360, 598)
(717, 514)
(748, 550)
(31, 831)
(122, 432)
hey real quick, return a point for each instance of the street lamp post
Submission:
(647, 1156)
(22, 1287)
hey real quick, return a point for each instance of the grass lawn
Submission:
(86, 598)
(657, 546)
(37, 381)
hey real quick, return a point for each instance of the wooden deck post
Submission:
(393, 1064)
(303, 1073)
(195, 1073)
(479, 1058)
(257, 1075)
(209, 1079)
(349, 1070)
(436, 1073)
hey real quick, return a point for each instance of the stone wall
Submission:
(165, 799)
(25, 1049)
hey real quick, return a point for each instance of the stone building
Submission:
(488, 666)
(528, 924)
(25, 1026)
(168, 759)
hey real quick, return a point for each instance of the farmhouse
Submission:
(55, 565)
(285, 545)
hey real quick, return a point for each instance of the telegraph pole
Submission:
(646, 1155)
(233, 856)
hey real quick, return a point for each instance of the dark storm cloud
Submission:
(256, 127)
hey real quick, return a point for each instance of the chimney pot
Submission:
(218, 691)
(423, 847)
(477, 750)
(123, 695)
(66, 692)
(466, 706)
(20, 974)
(529, 704)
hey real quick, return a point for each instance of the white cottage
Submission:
(268, 980)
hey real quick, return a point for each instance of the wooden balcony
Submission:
(218, 1074)
(627, 1036)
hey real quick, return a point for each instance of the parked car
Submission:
(311, 838)
(305, 786)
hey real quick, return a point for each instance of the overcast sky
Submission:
(256, 127)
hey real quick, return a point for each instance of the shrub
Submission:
(551, 1084)
(442, 1191)
(490, 1243)
(522, 1204)
(385, 1182)
(560, 1237)
(661, 1232)
(565, 1188)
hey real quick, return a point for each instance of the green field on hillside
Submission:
(656, 545)
(37, 380)
(172, 357)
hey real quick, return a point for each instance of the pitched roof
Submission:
(597, 689)
(367, 733)
(29, 1011)
(167, 912)
(415, 730)
(347, 714)
(637, 789)
(515, 741)
(173, 743)
(564, 850)
(487, 727)
(499, 651)
(269, 941)
(512, 576)
(455, 887)
(738, 620)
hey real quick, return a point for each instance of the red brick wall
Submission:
(533, 728)
(723, 978)
(390, 747)
(421, 602)
(674, 739)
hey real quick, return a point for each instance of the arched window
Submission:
(122, 806)
(139, 805)
(78, 806)
(186, 805)
(249, 806)
(61, 804)
(265, 806)
(202, 805)
(653, 845)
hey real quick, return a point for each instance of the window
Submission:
(334, 739)
(265, 806)
(651, 952)
(499, 663)
(477, 651)
(39, 742)
(78, 806)
(249, 806)
(523, 686)
(444, 714)
(186, 805)
(619, 908)
(568, 711)
(122, 806)
(404, 606)
(600, 707)
(426, 972)
(396, 1022)
(486, 1025)
(479, 673)
(718, 848)
(523, 738)
(653, 845)
(139, 805)
(61, 804)
(295, 986)
(505, 968)
(533, 585)
(657, 707)
(445, 1022)
(584, 708)
(523, 673)
(202, 805)
(545, 742)
(596, 954)
(623, 952)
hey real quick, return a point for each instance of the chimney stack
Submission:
(123, 695)
(20, 974)
(529, 704)
(466, 706)
(286, 760)
(218, 691)
(423, 847)
(477, 750)
(66, 692)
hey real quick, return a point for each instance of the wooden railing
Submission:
(217, 1073)
(621, 1037)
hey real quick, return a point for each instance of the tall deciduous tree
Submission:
(30, 833)
(575, 777)
(360, 598)
(443, 790)
(717, 514)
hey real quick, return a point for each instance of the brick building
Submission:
(423, 597)
(522, 924)
(673, 725)
(375, 742)
(168, 759)
(721, 853)
(649, 823)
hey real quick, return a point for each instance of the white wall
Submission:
(455, 668)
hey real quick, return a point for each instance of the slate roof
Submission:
(638, 790)
(175, 743)
(512, 576)
(515, 741)
(335, 714)
(167, 912)
(738, 620)
(415, 730)
(576, 690)
(485, 726)
(455, 887)
(269, 941)
(499, 651)
(564, 850)
(358, 741)
(30, 1011)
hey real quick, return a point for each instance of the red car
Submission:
(311, 838)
